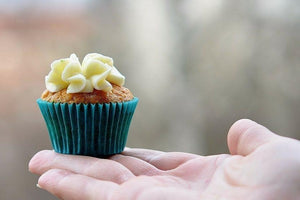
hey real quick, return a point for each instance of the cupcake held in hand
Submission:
(85, 106)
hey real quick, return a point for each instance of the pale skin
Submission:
(261, 165)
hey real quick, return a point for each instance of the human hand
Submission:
(262, 165)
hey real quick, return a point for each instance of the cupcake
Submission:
(86, 108)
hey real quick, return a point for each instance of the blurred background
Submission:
(196, 65)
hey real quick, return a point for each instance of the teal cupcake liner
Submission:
(97, 130)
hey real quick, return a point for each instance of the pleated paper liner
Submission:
(97, 130)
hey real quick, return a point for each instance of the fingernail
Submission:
(37, 185)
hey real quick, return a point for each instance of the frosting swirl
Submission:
(96, 72)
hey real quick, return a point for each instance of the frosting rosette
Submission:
(96, 72)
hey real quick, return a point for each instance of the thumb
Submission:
(245, 136)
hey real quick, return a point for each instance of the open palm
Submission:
(262, 165)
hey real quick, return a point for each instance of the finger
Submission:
(245, 136)
(103, 169)
(136, 166)
(134, 187)
(143, 154)
(67, 185)
(159, 159)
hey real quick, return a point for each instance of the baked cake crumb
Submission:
(117, 94)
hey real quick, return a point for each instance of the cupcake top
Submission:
(96, 80)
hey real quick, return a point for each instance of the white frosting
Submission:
(96, 72)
